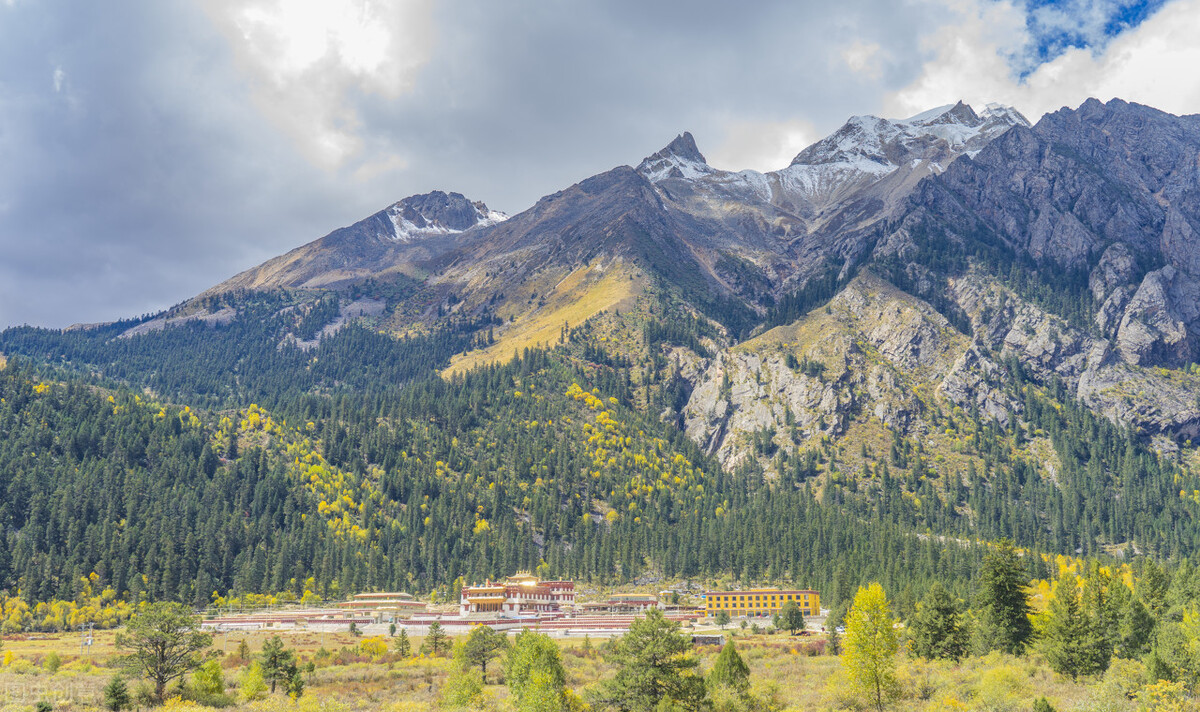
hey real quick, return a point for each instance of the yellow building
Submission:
(760, 602)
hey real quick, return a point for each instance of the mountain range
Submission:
(958, 322)
(1097, 206)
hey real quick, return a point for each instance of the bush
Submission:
(464, 688)
(1125, 679)
(51, 663)
(374, 647)
(251, 684)
(1003, 688)
(116, 694)
(143, 695)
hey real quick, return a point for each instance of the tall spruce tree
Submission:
(1065, 634)
(1002, 602)
(937, 630)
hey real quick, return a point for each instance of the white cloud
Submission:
(59, 78)
(310, 61)
(1150, 64)
(864, 58)
(761, 145)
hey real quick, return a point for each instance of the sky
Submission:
(152, 148)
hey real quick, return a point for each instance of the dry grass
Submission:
(577, 297)
(783, 674)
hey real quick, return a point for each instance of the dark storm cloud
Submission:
(142, 177)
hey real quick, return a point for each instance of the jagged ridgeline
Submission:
(920, 335)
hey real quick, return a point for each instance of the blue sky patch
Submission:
(1056, 26)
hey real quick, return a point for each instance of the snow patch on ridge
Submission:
(405, 229)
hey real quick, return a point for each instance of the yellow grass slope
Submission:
(578, 297)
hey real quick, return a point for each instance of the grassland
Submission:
(788, 673)
(538, 319)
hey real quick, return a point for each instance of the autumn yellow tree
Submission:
(871, 645)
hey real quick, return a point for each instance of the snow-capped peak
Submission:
(867, 148)
(878, 139)
(680, 159)
(437, 213)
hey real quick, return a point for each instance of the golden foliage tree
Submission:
(871, 645)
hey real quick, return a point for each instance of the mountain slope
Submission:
(949, 328)
(402, 239)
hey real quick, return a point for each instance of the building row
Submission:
(525, 596)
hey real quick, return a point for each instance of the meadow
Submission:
(787, 673)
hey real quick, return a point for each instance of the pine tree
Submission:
(1065, 633)
(278, 663)
(730, 670)
(1003, 602)
(1135, 630)
(480, 646)
(871, 646)
(436, 641)
(116, 694)
(402, 645)
(937, 630)
(166, 644)
(653, 666)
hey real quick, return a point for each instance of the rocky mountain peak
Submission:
(680, 159)
(437, 213)
(890, 142)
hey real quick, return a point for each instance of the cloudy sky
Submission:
(151, 148)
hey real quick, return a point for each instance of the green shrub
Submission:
(116, 694)
(51, 663)
(251, 683)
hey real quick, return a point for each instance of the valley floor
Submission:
(787, 673)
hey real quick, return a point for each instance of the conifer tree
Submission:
(436, 641)
(278, 663)
(1135, 625)
(937, 629)
(116, 694)
(402, 645)
(1065, 634)
(1002, 605)
(166, 644)
(480, 646)
(653, 665)
(730, 670)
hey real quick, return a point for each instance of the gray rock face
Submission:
(400, 239)
(1112, 189)
(1159, 324)
(1116, 268)
(868, 357)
